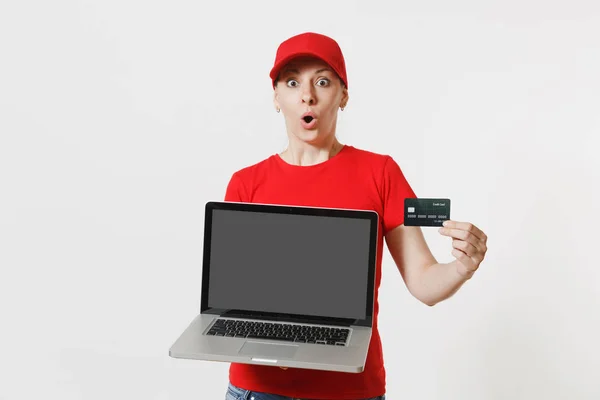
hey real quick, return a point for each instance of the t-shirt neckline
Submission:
(327, 162)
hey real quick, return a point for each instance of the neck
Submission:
(306, 154)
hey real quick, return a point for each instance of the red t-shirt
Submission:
(355, 179)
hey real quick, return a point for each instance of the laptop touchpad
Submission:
(276, 351)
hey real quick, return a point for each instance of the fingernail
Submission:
(445, 223)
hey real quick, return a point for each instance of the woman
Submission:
(310, 86)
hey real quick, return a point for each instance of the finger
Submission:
(466, 226)
(465, 247)
(462, 235)
(283, 367)
(464, 259)
(470, 250)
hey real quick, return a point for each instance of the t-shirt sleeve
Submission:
(395, 189)
(236, 190)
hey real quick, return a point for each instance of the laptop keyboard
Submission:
(280, 331)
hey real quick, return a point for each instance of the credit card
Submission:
(426, 212)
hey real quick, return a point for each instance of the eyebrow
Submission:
(295, 71)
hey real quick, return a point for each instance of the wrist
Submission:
(462, 271)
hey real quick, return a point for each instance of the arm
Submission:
(426, 279)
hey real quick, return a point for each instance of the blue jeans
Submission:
(236, 393)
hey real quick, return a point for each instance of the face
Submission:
(309, 94)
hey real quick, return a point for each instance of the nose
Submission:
(308, 95)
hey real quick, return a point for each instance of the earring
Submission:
(278, 110)
(342, 108)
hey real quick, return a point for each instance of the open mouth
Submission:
(307, 119)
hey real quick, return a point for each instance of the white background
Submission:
(120, 119)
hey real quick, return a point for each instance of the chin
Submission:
(311, 136)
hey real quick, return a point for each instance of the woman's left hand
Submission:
(469, 245)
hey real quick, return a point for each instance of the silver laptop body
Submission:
(285, 286)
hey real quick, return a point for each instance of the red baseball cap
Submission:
(310, 44)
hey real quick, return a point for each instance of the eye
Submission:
(292, 83)
(323, 82)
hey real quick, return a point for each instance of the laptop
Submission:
(285, 286)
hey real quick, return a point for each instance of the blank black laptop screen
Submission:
(291, 264)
